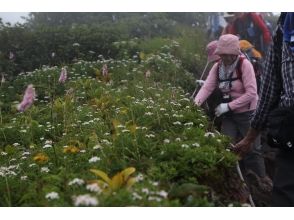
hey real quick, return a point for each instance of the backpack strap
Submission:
(238, 70)
(239, 67)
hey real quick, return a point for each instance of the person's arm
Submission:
(258, 21)
(271, 85)
(244, 146)
(208, 86)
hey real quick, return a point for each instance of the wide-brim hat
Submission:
(228, 44)
(210, 49)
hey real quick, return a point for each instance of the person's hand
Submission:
(200, 82)
(242, 147)
(245, 145)
(221, 109)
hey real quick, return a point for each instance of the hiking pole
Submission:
(201, 77)
(242, 179)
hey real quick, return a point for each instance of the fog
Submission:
(13, 17)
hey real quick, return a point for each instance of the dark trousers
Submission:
(283, 190)
(236, 126)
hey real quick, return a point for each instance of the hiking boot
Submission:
(260, 188)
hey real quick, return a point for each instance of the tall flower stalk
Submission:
(63, 75)
(28, 98)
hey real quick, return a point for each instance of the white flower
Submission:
(45, 170)
(136, 196)
(47, 146)
(162, 193)
(208, 134)
(16, 144)
(189, 124)
(85, 200)
(145, 190)
(166, 141)
(32, 165)
(185, 146)
(94, 159)
(150, 135)
(52, 195)
(76, 181)
(3, 153)
(97, 146)
(150, 198)
(196, 145)
(148, 113)
(140, 177)
(177, 123)
(94, 188)
(24, 177)
(25, 153)
(178, 139)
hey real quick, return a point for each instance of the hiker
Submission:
(239, 97)
(255, 57)
(215, 25)
(211, 101)
(274, 110)
(249, 26)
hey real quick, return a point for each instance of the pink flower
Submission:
(147, 74)
(11, 55)
(63, 75)
(28, 98)
(104, 70)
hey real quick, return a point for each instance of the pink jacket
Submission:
(244, 93)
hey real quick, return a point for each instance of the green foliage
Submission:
(129, 120)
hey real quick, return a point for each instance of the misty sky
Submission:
(13, 17)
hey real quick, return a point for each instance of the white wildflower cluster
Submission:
(52, 196)
(139, 177)
(85, 200)
(45, 170)
(148, 113)
(76, 181)
(8, 171)
(150, 135)
(178, 116)
(104, 141)
(94, 159)
(97, 146)
(209, 134)
(177, 123)
(94, 188)
(166, 141)
(136, 196)
(196, 145)
(23, 178)
(185, 146)
(189, 124)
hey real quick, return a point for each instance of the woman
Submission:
(239, 97)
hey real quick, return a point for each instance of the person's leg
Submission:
(228, 127)
(283, 190)
(253, 160)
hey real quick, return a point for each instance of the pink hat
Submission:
(210, 49)
(228, 44)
